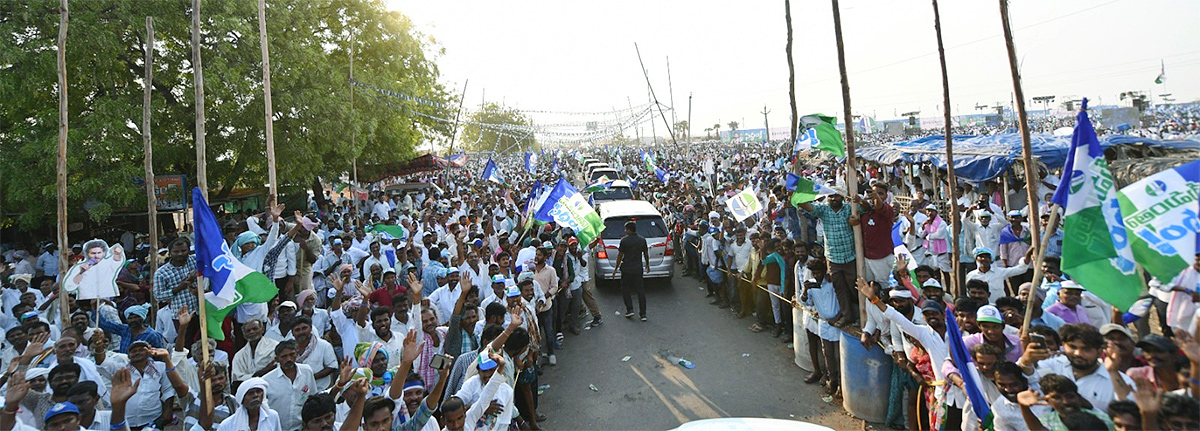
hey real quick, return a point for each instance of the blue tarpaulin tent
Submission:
(981, 158)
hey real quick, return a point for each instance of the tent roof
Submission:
(981, 158)
(423, 163)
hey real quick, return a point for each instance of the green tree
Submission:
(733, 126)
(504, 130)
(309, 47)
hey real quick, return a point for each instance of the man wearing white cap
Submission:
(1068, 307)
(934, 232)
(994, 276)
(980, 226)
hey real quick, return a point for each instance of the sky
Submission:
(729, 56)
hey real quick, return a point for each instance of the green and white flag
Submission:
(565, 206)
(1161, 214)
(808, 190)
(744, 204)
(820, 132)
(1095, 251)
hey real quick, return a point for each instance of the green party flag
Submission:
(821, 133)
(808, 190)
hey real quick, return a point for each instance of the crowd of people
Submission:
(440, 307)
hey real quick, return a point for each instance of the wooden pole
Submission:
(851, 170)
(952, 181)
(1027, 147)
(202, 183)
(64, 251)
(353, 132)
(270, 127)
(1031, 301)
(653, 97)
(787, 16)
(148, 156)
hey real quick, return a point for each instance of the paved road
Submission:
(649, 393)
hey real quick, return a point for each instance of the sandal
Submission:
(756, 328)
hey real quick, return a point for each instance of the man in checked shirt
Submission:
(175, 282)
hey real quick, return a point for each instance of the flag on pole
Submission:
(967, 371)
(1161, 215)
(554, 168)
(791, 182)
(390, 229)
(566, 207)
(821, 133)
(633, 184)
(601, 185)
(535, 193)
(492, 173)
(1162, 73)
(531, 162)
(231, 281)
(744, 204)
(661, 174)
(1095, 251)
(459, 159)
(808, 190)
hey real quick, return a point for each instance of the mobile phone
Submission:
(440, 361)
(1038, 339)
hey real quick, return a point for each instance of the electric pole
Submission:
(766, 125)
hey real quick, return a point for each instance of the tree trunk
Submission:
(270, 126)
(951, 180)
(148, 155)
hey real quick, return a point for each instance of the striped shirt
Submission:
(168, 277)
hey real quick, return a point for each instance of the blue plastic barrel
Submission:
(866, 379)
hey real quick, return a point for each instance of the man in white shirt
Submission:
(393, 343)
(500, 405)
(257, 357)
(995, 276)
(289, 385)
(1080, 362)
(313, 351)
(442, 300)
(981, 227)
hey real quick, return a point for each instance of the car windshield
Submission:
(613, 194)
(611, 174)
(648, 227)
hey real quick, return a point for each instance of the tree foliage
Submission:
(507, 130)
(309, 45)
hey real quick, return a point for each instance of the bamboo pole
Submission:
(851, 170)
(270, 127)
(64, 251)
(1031, 301)
(951, 181)
(1027, 147)
(202, 183)
(198, 78)
(148, 156)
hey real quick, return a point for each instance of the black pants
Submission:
(633, 281)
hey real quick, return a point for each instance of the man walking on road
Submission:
(632, 245)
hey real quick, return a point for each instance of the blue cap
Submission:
(486, 363)
(499, 278)
(477, 243)
(983, 250)
(60, 408)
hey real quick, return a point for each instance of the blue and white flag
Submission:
(459, 159)
(662, 175)
(792, 181)
(231, 281)
(1163, 217)
(632, 182)
(565, 206)
(966, 369)
(492, 173)
(531, 163)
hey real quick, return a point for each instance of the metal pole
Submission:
(270, 127)
(454, 132)
(63, 248)
(689, 135)
(653, 98)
